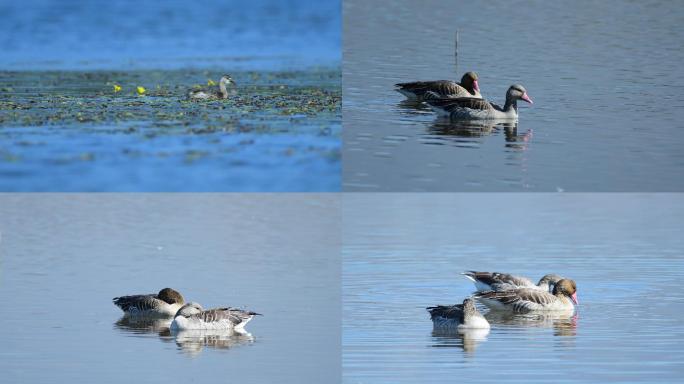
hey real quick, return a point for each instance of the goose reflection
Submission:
(412, 107)
(192, 342)
(466, 339)
(564, 323)
(476, 129)
(140, 325)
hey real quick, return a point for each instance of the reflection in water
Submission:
(193, 341)
(468, 339)
(139, 325)
(480, 128)
(189, 341)
(564, 323)
(413, 107)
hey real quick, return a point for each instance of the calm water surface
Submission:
(405, 252)
(603, 75)
(64, 58)
(63, 258)
(256, 34)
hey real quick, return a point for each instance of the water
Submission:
(404, 252)
(63, 127)
(64, 257)
(603, 75)
(280, 133)
(256, 34)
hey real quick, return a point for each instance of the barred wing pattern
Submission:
(138, 303)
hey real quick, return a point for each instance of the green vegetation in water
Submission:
(269, 102)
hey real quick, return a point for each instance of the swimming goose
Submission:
(458, 316)
(193, 316)
(529, 299)
(214, 94)
(469, 108)
(423, 90)
(165, 303)
(495, 281)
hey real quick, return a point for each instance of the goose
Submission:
(165, 303)
(458, 316)
(495, 281)
(193, 316)
(470, 108)
(423, 90)
(214, 94)
(524, 300)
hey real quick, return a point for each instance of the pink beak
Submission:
(574, 298)
(526, 98)
(475, 86)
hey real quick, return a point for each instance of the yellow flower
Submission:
(117, 88)
(141, 90)
(210, 82)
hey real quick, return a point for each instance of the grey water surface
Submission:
(64, 257)
(604, 77)
(404, 252)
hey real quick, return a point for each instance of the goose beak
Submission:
(574, 298)
(526, 98)
(475, 86)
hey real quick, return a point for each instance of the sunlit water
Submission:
(63, 258)
(65, 57)
(257, 34)
(603, 75)
(403, 253)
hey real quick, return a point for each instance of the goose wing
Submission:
(234, 315)
(497, 279)
(520, 300)
(449, 105)
(139, 303)
(440, 87)
(446, 311)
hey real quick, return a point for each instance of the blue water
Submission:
(404, 252)
(267, 45)
(257, 34)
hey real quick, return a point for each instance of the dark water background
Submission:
(604, 76)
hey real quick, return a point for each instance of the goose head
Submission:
(189, 309)
(469, 306)
(566, 287)
(227, 80)
(170, 296)
(517, 92)
(549, 281)
(469, 81)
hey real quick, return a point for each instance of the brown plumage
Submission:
(425, 90)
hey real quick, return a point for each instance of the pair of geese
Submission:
(462, 101)
(186, 316)
(506, 292)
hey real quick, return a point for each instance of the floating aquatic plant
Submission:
(141, 90)
(210, 82)
(117, 88)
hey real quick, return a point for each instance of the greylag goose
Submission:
(165, 303)
(459, 316)
(193, 316)
(525, 300)
(214, 94)
(495, 281)
(423, 90)
(469, 108)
